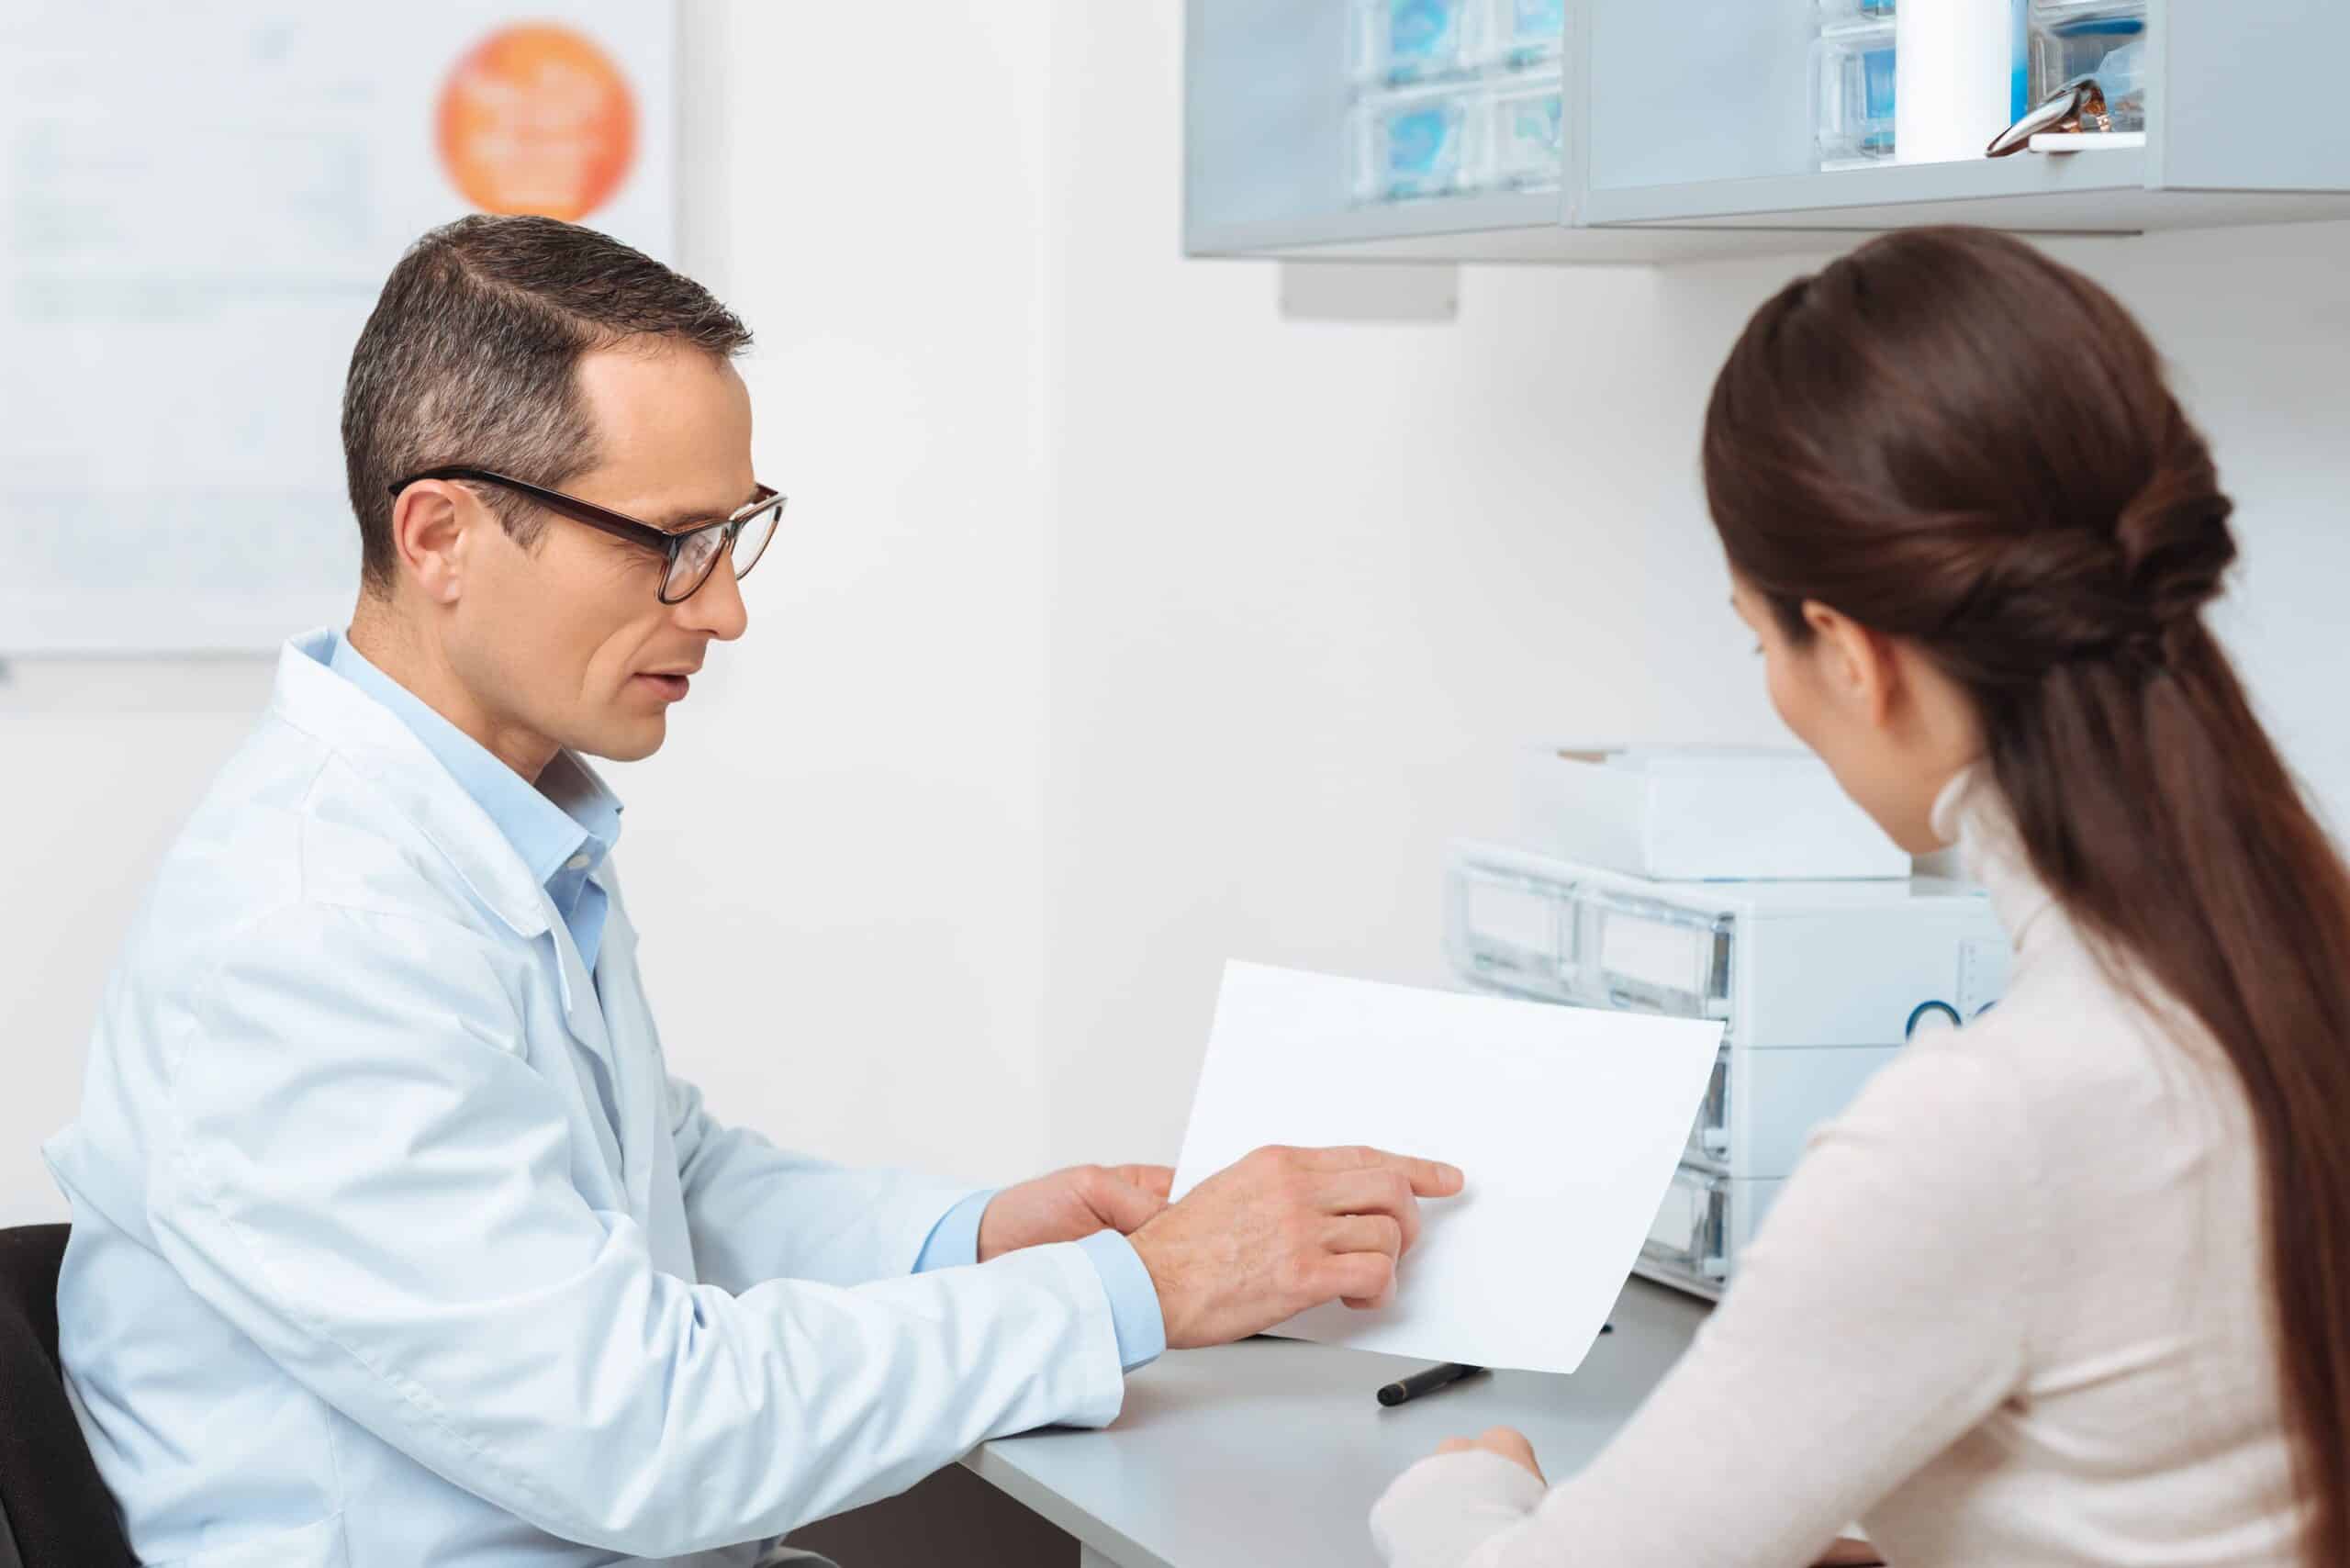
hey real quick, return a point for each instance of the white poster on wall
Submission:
(199, 203)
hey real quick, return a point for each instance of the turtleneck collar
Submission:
(1971, 813)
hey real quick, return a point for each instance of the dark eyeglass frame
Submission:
(619, 525)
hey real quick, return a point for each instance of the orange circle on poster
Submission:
(536, 118)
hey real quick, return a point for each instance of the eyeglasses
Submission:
(689, 553)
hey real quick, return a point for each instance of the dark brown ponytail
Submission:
(1955, 440)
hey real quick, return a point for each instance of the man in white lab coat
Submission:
(394, 1243)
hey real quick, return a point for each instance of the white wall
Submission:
(1316, 583)
(1121, 626)
(837, 859)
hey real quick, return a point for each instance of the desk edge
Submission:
(1040, 1499)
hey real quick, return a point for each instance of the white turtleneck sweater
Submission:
(2010, 1310)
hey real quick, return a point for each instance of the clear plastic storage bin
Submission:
(1587, 944)
(1689, 1239)
(1705, 1222)
(1453, 96)
(1853, 90)
(1413, 143)
(1527, 146)
(1584, 943)
(1509, 931)
(1528, 34)
(1710, 1134)
(1648, 956)
(1401, 42)
(2104, 39)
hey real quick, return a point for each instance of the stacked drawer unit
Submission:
(1816, 984)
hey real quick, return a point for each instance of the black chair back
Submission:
(54, 1510)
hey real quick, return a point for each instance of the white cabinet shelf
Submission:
(1689, 134)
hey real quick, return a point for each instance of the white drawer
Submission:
(1705, 1220)
(1784, 966)
(1579, 942)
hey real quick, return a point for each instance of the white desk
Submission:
(1273, 1450)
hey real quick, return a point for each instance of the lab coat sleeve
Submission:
(758, 1213)
(366, 1178)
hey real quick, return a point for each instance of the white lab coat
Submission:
(394, 1246)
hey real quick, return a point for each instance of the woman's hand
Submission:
(1511, 1445)
(1844, 1552)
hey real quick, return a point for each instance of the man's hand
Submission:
(1282, 1230)
(1504, 1441)
(1071, 1204)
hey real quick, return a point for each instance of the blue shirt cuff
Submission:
(1134, 1300)
(955, 1240)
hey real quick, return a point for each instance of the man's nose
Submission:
(717, 607)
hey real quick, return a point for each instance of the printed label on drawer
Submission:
(1655, 953)
(1514, 917)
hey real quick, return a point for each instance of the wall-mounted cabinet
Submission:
(1693, 128)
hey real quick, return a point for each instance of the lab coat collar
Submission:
(375, 742)
(1972, 814)
(313, 699)
(567, 810)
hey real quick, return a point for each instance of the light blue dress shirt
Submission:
(564, 826)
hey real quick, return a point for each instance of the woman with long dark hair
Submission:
(2070, 1286)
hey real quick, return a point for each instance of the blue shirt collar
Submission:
(569, 812)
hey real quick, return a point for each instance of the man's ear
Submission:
(1856, 665)
(433, 521)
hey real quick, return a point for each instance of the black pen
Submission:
(1428, 1379)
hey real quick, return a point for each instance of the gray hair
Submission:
(470, 354)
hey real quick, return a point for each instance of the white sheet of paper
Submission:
(1567, 1121)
